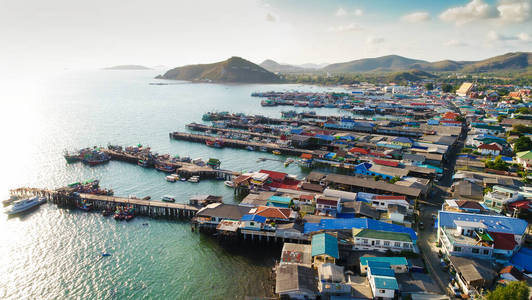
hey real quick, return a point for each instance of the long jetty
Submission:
(182, 168)
(65, 197)
(204, 128)
(201, 138)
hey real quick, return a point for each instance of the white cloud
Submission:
(416, 17)
(346, 28)
(455, 43)
(270, 17)
(514, 11)
(371, 40)
(341, 12)
(494, 36)
(524, 37)
(474, 10)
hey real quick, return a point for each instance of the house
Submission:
(387, 172)
(398, 264)
(472, 274)
(480, 236)
(402, 141)
(492, 149)
(214, 213)
(397, 213)
(276, 214)
(464, 89)
(292, 230)
(382, 280)
(467, 190)
(327, 205)
(467, 206)
(300, 141)
(414, 159)
(295, 282)
(331, 281)
(278, 201)
(299, 254)
(252, 222)
(381, 202)
(500, 197)
(324, 249)
(369, 239)
(511, 273)
(524, 158)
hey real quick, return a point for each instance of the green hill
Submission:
(275, 67)
(513, 61)
(389, 63)
(412, 75)
(235, 69)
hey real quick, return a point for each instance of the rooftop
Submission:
(324, 243)
(381, 235)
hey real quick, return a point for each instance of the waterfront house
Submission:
(299, 254)
(378, 240)
(324, 249)
(252, 222)
(214, 213)
(292, 230)
(278, 201)
(275, 214)
(295, 282)
(398, 264)
(481, 236)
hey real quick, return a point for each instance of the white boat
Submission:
(168, 198)
(229, 183)
(194, 179)
(24, 205)
(170, 178)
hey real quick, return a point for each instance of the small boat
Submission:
(168, 198)
(85, 206)
(182, 179)
(170, 178)
(276, 152)
(107, 212)
(25, 205)
(263, 149)
(250, 148)
(229, 183)
(105, 254)
(129, 217)
(288, 162)
(194, 179)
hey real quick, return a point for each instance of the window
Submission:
(251, 223)
(457, 249)
(397, 244)
(383, 291)
(365, 241)
(386, 243)
(475, 250)
(486, 252)
(406, 245)
(377, 242)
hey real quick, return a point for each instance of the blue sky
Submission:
(75, 34)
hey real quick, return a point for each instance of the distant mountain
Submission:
(412, 75)
(313, 66)
(234, 69)
(127, 67)
(517, 61)
(275, 67)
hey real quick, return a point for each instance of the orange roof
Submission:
(306, 155)
(273, 212)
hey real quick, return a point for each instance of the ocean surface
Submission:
(55, 253)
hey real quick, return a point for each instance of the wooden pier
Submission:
(203, 128)
(202, 138)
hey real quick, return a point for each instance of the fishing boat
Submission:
(194, 179)
(107, 212)
(71, 158)
(172, 178)
(168, 198)
(276, 152)
(288, 161)
(25, 205)
(145, 163)
(165, 168)
(229, 183)
(85, 206)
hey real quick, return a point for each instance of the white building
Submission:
(376, 240)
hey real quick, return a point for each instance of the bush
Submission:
(516, 290)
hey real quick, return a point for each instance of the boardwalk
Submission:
(130, 201)
(201, 127)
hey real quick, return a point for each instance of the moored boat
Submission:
(168, 198)
(229, 183)
(25, 205)
(276, 152)
(194, 179)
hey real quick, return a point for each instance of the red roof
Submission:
(378, 154)
(359, 150)
(273, 212)
(503, 241)
(277, 176)
(450, 115)
(491, 146)
(306, 197)
(327, 201)
(389, 197)
(306, 155)
(469, 204)
(389, 163)
(522, 204)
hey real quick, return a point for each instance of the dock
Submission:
(203, 128)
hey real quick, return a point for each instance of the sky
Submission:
(70, 34)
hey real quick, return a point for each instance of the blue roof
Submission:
(395, 261)
(362, 223)
(402, 140)
(523, 259)
(378, 264)
(296, 131)
(280, 199)
(494, 223)
(386, 283)
(324, 243)
(375, 271)
(255, 218)
(324, 137)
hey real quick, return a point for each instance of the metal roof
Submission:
(493, 223)
(324, 243)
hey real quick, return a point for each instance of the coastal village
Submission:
(410, 192)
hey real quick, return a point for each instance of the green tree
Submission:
(446, 88)
(497, 164)
(523, 143)
(429, 86)
(523, 110)
(516, 290)
(500, 118)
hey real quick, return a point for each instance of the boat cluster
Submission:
(123, 213)
(176, 177)
(90, 187)
(90, 156)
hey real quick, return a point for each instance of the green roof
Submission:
(394, 261)
(382, 235)
(324, 243)
(524, 154)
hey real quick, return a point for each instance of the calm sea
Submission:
(55, 253)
